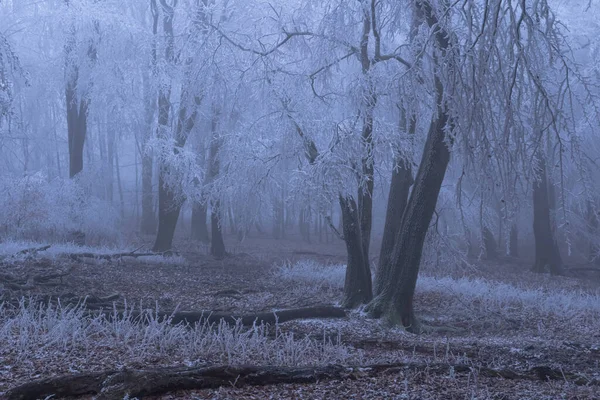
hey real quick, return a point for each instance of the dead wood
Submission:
(584, 269)
(32, 250)
(114, 256)
(21, 283)
(113, 385)
(194, 317)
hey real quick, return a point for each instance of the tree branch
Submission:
(116, 385)
(333, 228)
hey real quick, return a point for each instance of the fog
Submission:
(286, 193)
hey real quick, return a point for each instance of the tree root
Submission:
(113, 385)
(194, 317)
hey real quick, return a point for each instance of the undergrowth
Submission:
(33, 332)
(470, 294)
(9, 252)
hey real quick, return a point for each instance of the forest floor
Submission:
(498, 316)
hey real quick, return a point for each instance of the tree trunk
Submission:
(395, 301)
(402, 180)
(217, 246)
(365, 191)
(168, 214)
(357, 286)
(358, 218)
(547, 254)
(396, 297)
(513, 246)
(76, 123)
(168, 210)
(169, 200)
(489, 244)
(199, 226)
(110, 169)
(278, 219)
(148, 214)
(119, 185)
(148, 225)
(593, 227)
(77, 105)
(304, 224)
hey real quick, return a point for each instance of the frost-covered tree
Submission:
(493, 67)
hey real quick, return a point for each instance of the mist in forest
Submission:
(290, 192)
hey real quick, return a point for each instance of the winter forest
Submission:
(300, 199)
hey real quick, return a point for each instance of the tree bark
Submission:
(402, 180)
(217, 245)
(547, 253)
(169, 200)
(77, 105)
(279, 219)
(395, 301)
(192, 318)
(365, 191)
(358, 285)
(593, 228)
(168, 211)
(135, 383)
(513, 246)
(168, 214)
(149, 223)
(199, 225)
(77, 109)
(489, 244)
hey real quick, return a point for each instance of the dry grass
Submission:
(514, 323)
(483, 302)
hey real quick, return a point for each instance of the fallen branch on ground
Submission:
(271, 317)
(113, 256)
(30, 282)
(32, 250)
(584, 269)
(113, 385)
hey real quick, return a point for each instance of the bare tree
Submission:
(217, 245)
(547, 253)
(148, 224)
(77, 100)
(169, 193)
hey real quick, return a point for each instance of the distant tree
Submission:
(148, 224)
(9, 64)
(77, 93)
(170, 195)
(547, 252)
(217, 245)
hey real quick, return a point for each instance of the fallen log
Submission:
(113, 385)
(114, 256)
(195, 317)
(32, 250)
(23, 283)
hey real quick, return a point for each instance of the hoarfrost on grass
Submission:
(34, 331)
(493, 295)
(10, 248)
